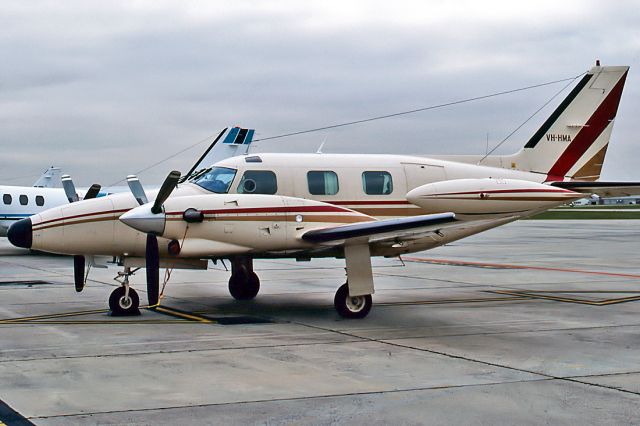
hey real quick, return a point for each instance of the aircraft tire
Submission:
(121, 307)
(355, 307)
(244, 285)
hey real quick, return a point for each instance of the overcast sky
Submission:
(106, 88)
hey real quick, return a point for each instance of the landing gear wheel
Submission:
(122, 306)
(244, 285)
(351, 306)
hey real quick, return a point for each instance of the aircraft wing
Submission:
(381, 230)
(602, 189)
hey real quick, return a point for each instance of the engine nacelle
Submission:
(489, 196)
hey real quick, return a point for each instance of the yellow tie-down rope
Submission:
(167, 273)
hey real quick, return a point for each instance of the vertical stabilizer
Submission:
(50, 178)
(573, 141)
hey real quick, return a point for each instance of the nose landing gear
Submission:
(124, 300)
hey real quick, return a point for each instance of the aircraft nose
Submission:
(20, 233)
(144, 220)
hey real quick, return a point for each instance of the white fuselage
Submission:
(406, 173)
(18, 202)
(376, 185)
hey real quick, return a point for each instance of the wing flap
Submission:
(380, 228)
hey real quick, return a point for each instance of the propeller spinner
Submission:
(150, 219)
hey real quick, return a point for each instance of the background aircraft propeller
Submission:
(136, 189)
(72, 194)
(92, 192)
(69, 188)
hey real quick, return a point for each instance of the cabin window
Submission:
(39, 200)
(23, 200)
(216, 179)
(6, 198)
(322, 182)
(258, 182)
(377, 183)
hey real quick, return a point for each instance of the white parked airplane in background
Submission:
(363, 205)
(19, 202)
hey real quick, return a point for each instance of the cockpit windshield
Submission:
(215, 179)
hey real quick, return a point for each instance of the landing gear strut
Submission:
(124, 301)
(244, 284)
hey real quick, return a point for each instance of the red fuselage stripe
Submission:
(372, 202)
(504, 191)
(291, 209)
(82, 215)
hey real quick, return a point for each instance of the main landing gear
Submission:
(351, 306)
(124, 300)
(352, 300)
(244, 284)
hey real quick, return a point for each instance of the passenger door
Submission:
(419, 174)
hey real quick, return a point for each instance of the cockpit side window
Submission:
(217, 179)
(258, 182)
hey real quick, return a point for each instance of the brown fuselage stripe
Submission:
(275, 209)
(77, 222)
(389, 211)
(283, 218)
(492, 198)
(256, 218)
(504, 191)
(84, 215)
(371, 202)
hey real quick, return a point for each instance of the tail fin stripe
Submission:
(588, 134)
(537, 137)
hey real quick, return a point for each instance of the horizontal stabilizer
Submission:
(602, 189)
(367, 229)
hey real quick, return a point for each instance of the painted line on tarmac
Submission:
(182, 314)
(218, 320)
(510, 266)
(10, 417)
(533, 294)
(448, 301)
(181, 317)
(51, 316)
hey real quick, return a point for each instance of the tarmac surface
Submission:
(534, 322)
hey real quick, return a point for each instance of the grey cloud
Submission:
(104, 89)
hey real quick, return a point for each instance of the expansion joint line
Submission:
(572, 379)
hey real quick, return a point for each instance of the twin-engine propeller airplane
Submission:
(318, 205)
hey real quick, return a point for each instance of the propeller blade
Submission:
(69, 188)
(78, 272)
(92, 192)
(153, 269)
(166, 189)
(136, 189)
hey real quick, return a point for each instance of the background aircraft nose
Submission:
(20, 233)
